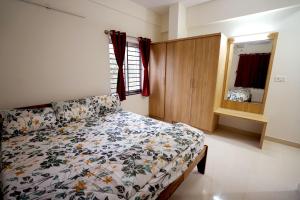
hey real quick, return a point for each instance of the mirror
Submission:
(249, 63)
(248, 71)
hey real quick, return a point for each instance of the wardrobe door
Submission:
(157, 80)
(180, 61)
(204, 82)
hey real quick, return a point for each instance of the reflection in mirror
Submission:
(248, 71)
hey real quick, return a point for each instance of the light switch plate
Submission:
(280, 78)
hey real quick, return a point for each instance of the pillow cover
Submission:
(73, 110)
(106, 104)
(79, 109)
(16, 122)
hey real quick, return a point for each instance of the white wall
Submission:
(177, 21)
(282, 106)
(165, 27)
(47, 56)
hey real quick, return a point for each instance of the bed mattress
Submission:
(119, 156)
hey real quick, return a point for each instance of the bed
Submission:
(118, 155)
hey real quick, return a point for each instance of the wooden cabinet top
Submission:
(189, 38)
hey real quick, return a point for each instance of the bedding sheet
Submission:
(119, 156)
(239, 95)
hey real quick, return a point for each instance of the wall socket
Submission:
(280, 78)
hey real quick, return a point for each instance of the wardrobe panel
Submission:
(204, 82)
(157, 80)
(179, 65)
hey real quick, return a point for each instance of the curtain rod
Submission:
(51, 8)
(107, 33)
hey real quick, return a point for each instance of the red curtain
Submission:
(144, 46)
(252, 70)
(118, 40)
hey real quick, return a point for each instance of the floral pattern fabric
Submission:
(79, 109)
(239, 95)
(106, 104)
(17, 122)
(73, 110)
(117, 156)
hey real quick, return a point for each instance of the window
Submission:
(132, 69)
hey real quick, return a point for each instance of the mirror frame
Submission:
(247, 106)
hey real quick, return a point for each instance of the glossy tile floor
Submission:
(236, 169)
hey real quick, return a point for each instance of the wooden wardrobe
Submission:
(186, 77)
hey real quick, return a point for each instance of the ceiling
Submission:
(162, 6)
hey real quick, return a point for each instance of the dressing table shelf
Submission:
(259, 118)
(241, 114)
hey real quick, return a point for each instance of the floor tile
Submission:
(237, 169)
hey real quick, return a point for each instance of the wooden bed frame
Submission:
(200, 161)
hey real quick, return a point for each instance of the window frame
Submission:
(126, 69)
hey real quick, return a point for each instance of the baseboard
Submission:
(281, 141)
(238, 131)
(253, 134)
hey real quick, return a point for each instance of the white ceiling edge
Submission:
(162, 6)
(214, 12)
(259, 14)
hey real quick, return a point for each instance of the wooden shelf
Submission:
(240, 114)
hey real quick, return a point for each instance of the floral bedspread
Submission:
(119, 156)
(239, 94)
